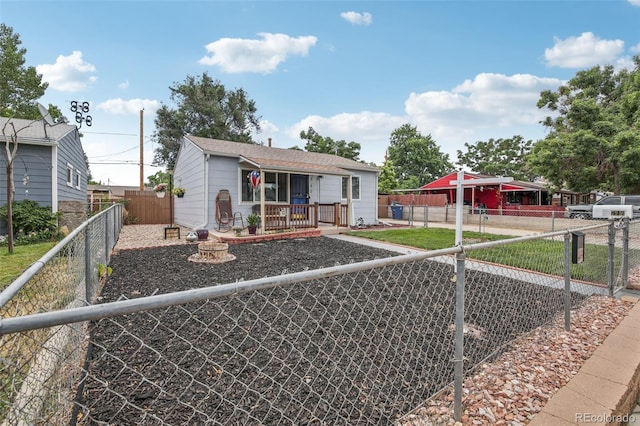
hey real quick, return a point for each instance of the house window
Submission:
(69, 175)
(355, 187)
(276, 187)
(76, 183)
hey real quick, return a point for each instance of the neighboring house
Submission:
(49, 168)
(515, 193)
(301, 188)
(101, 196)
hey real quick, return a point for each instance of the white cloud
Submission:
(357, 18)
(635, 2)
(121, 106)
(124, 85)
(69, 73)
(584, 51)
(489, 106)
(235, 55)
(370, 129)
(635, 49)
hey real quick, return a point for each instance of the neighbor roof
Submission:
(35, 132)
(281, 159)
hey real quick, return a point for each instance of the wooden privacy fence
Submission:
(147, 208)
(433, 200)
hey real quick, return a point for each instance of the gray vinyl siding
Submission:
(190, 174)
(70, 152)
(367, 206)
(35, 162)
(330, 191)
(224, 174)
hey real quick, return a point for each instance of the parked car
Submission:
(606, 208)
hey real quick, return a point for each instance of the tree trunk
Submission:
(9, 206)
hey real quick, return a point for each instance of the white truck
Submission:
(614, 206)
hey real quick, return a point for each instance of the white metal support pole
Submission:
(459, 206)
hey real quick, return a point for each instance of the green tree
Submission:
(206, 109)
(501, 157)
(20, 86)
(326, 145)
(157, 178)
(387, 178)
(416, 159)
(594, 138)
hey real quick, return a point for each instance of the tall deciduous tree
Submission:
(498, 157)
(326, 145)
(206, 109)
(20, 86)
(387, 179)
(416, 159)
(594, 138)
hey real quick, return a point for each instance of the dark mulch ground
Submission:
(363, 348)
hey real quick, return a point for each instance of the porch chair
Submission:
(224, 212)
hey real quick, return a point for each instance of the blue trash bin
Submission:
(396, 211)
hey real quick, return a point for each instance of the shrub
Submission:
(31, 222)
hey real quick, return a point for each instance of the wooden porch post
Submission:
(315, 214)
(263, 219)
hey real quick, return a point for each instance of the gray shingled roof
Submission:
(33, 131)
(280, 158)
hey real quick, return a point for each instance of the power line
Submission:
(122, 163)
(107, 133)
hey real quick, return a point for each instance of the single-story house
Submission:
(494, 196)
(49, 168)
(288, 188)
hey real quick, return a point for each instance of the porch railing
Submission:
(334, 213)
(281, 217)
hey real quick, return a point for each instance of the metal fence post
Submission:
(611, 263)
(106, 239)
(88, 273)
(458, 367)
(553, 220)
(426, 216)
(625, 252)
(567, 282)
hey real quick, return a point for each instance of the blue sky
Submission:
(461, 71)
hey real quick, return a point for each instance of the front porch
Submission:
(290, 217)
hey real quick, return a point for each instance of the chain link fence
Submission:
(38, 367)
(361, 343)
(533, 218)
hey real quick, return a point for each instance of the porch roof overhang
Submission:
(293, 167)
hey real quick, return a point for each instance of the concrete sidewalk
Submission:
(605, 390)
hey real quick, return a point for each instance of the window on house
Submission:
(355, 187)
(276, 187)
(69, 175)
(76, 183)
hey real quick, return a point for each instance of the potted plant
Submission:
(179, 191)
(160, 189)
(252, 221)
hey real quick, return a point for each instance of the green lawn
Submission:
(426, 238)
(546, 256)
(12, 265)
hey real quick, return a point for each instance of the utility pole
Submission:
(141, 152)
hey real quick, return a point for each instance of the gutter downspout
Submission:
(206, 193)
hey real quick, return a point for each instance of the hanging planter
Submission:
(179, 191)
(161, 190)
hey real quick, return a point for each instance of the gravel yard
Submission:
(170, 367)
